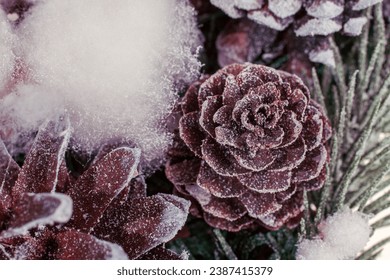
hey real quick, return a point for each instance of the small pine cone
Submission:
(251, 141)
(310, 18)
(243, 40)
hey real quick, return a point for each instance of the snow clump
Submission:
(114, 68)
(342, 236)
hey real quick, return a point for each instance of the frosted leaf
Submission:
(99, 185)
(354, 26)
(362, 4)
(9, 171)
(34, 210)
(160, 253)
(317, 26)
(342, 236)
(152, 221)
(325, 8)
(283, 8)
(74, 245)
(40, 172)
(7, 58)
(229, 7)
(266, 18)
(324, 56)
(266, 181)
(125, 93)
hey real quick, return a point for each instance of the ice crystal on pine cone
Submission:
(251, 142)
(309, 18)
(116, 78)
(45, 213)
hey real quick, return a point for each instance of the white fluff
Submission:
(7, 57)
(341, 236)
(114, 66)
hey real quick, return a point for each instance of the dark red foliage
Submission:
(102, 214)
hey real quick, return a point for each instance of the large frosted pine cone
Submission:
(251, 141)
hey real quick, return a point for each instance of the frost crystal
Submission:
(342, 236)
(7, 57)
(116, 74)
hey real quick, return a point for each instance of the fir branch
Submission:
(339, 71)
(227, 250)
(383, 222)
(379, 38)
(318, 91)
(371, 190)
(358, 195)
(360, 146)
(365, 255)
(370, 69)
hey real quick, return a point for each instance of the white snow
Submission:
(354, 26)
(323, 56)
(341, 236)
(362, 4)
(325, 9)
(229, 7)
(267, 19)
(115, 69)
(7, 57)
(283, 8)
(318, 27)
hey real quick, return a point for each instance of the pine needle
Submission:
(360, 146)
(317, 90)
(373, 249)
(227, 250)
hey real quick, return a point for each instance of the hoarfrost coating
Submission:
(116, 74)
(342, 236)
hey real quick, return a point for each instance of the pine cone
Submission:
(103, 214)
(310, 18)
(251, 141)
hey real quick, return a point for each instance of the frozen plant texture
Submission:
(251, 141)
(46, 212)
(342, 236)
(116, 74)
(7, 57)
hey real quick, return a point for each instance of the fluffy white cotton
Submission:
(7, 57)
(341, 236)
(114, 66)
